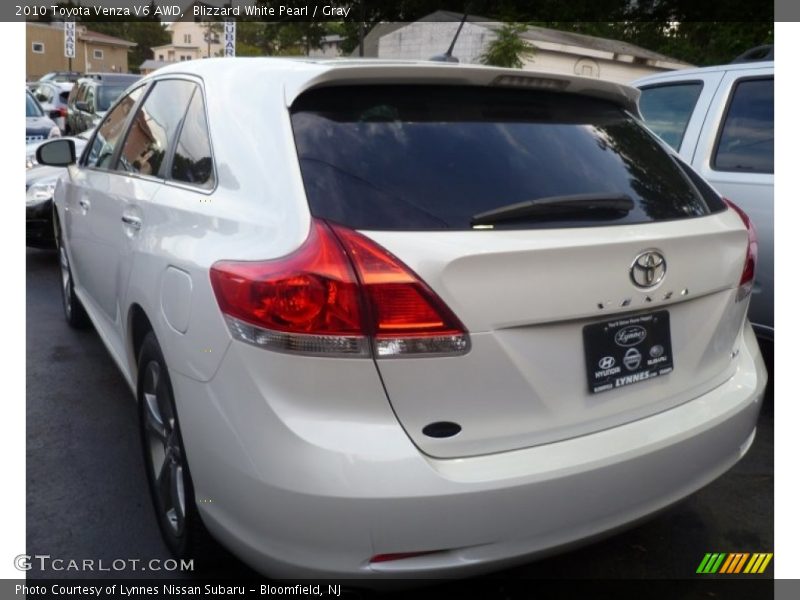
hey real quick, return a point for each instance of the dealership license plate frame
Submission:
(611, 348)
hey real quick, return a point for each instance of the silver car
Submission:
(721, 121)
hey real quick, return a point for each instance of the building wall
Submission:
(188, 39)
(327, 50)
(422, 40)
(115, 58)
(599, 68)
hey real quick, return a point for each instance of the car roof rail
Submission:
(759, 53)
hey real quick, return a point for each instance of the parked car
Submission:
(38, 125)
(53, 99)
(61, 76)
(721, 121)
(40, 182)
(403, 319)
(91, 96)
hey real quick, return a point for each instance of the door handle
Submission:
(84, 203)
(133, 222)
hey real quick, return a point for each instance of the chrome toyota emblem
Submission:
(648, 269)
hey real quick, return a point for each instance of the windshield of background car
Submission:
(667, 109)
(106, 94)
(430, 157)
(31, 108)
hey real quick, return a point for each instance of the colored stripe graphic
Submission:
(731, 560)
(758, 563)
(711, 563)
(722, 563)
(742, 560)
(703, 563)
(765, 563)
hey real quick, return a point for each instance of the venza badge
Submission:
(648, 269)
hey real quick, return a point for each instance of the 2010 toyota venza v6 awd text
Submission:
(407, 319)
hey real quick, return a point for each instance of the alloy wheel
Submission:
(164, 448)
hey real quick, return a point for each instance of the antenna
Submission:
(448, 56)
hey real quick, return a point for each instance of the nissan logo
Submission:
(632, 359)
(648, 269)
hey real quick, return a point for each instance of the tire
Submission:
(166, 467)
(74, 313)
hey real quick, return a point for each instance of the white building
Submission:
(554, 51)
(330, 47)
(191, 39)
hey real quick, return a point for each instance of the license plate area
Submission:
(627, 350)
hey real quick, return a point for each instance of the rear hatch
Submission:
(612, 303)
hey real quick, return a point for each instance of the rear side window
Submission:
(668, 108)
(154, 128)
(192, 162)
(433, 157)
(747, 137)
(110, 132)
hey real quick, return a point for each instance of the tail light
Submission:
(62, 110)
(749, 269)
(339, 294)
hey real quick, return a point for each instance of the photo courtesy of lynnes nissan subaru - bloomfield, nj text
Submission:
(400, 319)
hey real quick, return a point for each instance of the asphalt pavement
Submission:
(87, 493)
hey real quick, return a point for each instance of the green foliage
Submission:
(702, 33)
(507, 49)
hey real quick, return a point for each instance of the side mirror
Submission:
(55, 114)
(56, 153)
(82, 106)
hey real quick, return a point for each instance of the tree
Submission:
(507, 49)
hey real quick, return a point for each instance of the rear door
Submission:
(140, 172)
(578, 321)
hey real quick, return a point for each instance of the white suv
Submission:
(401, 319)
(721, 121)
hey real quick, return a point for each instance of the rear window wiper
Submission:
(602, 204)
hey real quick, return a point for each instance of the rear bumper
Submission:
(296, 496)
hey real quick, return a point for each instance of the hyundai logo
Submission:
(606, 362)
(648, 269)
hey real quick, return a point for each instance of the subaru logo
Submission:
(648, 269)
(606, 362)
(630, 336)
(632, 359)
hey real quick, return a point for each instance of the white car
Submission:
(407, 319)
(721, 120)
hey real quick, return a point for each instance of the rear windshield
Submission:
(432, 157)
